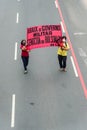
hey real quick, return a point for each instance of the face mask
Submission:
(24, 42)
(63, 40)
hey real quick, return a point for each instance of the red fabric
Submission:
(60, 44)
(43, 36)
(24, 52)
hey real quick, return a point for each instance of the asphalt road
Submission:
(45, 98)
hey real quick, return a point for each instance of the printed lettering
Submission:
(33, 29)
(42, 36)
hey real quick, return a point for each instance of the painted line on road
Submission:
(80, 33)
(74, 67)
(73, 54)
(15, 53)
(63, 30)
(82, 53)
(17, 18)
(56, 4)
(13, 111)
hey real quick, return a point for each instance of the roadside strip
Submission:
(72, 51)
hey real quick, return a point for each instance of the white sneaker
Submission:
(64, 70)
(60, 69)
(25, 72)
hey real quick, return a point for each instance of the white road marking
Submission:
(56, 4)
(85, 61)
(15, 53)
(82, 52)
(76, 74)
(62, 27)
(13, 111)
(80, 33)
(17, 18)
(18, 0)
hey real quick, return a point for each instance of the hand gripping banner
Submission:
(43, 36)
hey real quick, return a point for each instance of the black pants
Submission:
(25, 61)
(62, 61)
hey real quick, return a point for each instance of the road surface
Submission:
(45, 98)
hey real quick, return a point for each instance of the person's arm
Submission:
(24, 48)
(66, 48)
(28, 48)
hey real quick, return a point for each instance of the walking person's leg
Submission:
(24, 64)
(60, 61)
(64, 63)
(27, 60)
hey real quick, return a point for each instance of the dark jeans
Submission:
(25, 61)
(62, 61)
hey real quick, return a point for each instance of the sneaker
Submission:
(64, 69)
(61, 69)
(25, 72)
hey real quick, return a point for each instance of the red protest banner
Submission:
(43, 36)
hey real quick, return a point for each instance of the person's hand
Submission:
(24, 48)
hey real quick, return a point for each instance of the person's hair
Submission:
(64, 37)
(23, 42)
